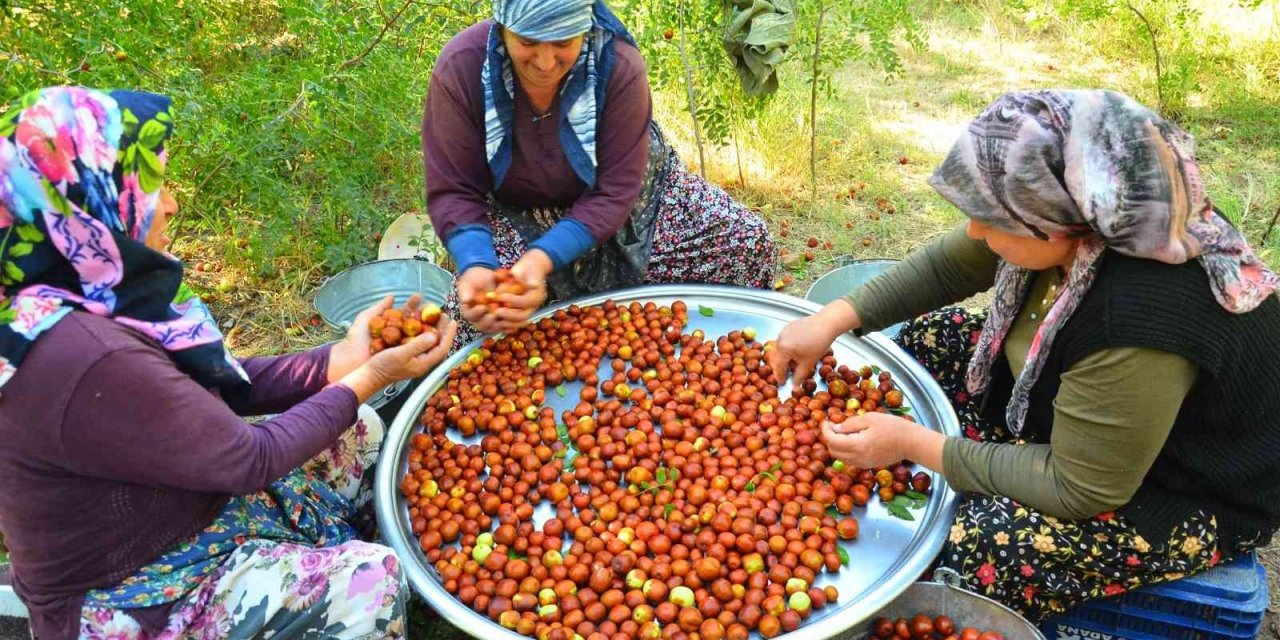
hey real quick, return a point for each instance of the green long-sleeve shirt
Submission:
(1112, 414)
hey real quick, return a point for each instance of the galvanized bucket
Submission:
(965, 608)
(341, 298)
(842, 280)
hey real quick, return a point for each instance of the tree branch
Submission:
(813, 101)
(385, 27)
(693, 102)
(1159, 72)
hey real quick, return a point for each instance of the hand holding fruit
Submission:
(473, 286)
(870, 440)
(394, 327)
(413, 357)
(357, 346)
(521, 291)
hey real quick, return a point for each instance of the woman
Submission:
(135, 502)
(1118, 400)
(541, 156)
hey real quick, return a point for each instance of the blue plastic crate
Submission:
(1227, 602)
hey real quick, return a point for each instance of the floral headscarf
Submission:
(80, 179)
(1099, 166)
(582, 95)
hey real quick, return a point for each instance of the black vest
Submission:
(1223, 454)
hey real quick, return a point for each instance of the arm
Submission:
(279, 382)
(1112, 416)
(157, 426)
(456, 166)
(622, 147)
(945, 271)
(949, 269)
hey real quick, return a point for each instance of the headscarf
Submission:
(1099, 166)
(582, 94)
(80, 179)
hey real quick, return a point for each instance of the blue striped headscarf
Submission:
(582, 95)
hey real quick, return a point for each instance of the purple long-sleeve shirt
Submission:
(453, 147)
(112, 455)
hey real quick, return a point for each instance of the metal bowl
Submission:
(887, 556)
(966, 608)
(842, 280)
(341, 298)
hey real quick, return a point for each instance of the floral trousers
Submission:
(282, 563)
(1034, 563)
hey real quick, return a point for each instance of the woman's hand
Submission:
(353, 350)
(881, 439)
(531, 271)
(410, 360)
(472, 285)
(802, 343)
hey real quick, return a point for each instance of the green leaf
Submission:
(20, 249)
(150, 170)
(777, 466)
(902, 501)
(666, 511)
(29, 233)
(751, 486)
(661, 475)
(833, 512)
(512, 555)
(152, 134)
(916, 496)
(706, 311)
(875, 369)
(770, 476)
(900, 512)
(561, 391)
(58, 201)
(844, 555)
(184, 294)
(13, 273)
(902, 411)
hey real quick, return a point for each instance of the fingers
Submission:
(474, 313)
(378, 307)
(855, 424)
(529, 300)
(803, 371)
(432, 358)
(412, 303)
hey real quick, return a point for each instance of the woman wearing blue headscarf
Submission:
(541, 156)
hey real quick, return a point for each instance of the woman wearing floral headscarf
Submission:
(134, 500)
(1118, 400)
(541, 156)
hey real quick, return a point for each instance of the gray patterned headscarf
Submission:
(1098, 166)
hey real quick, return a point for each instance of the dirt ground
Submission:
(1271, 558)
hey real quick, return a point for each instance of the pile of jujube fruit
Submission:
(689, 500)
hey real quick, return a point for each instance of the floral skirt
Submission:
(283, 560)
(701, 234)
(1031, 562)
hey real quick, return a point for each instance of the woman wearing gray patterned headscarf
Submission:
(541, 156)
(1118, 399)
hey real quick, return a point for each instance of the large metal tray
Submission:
(888, 555)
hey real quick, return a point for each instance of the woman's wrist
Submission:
(343, 359)
(364, 382)
(840, 317)
(923, 446)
